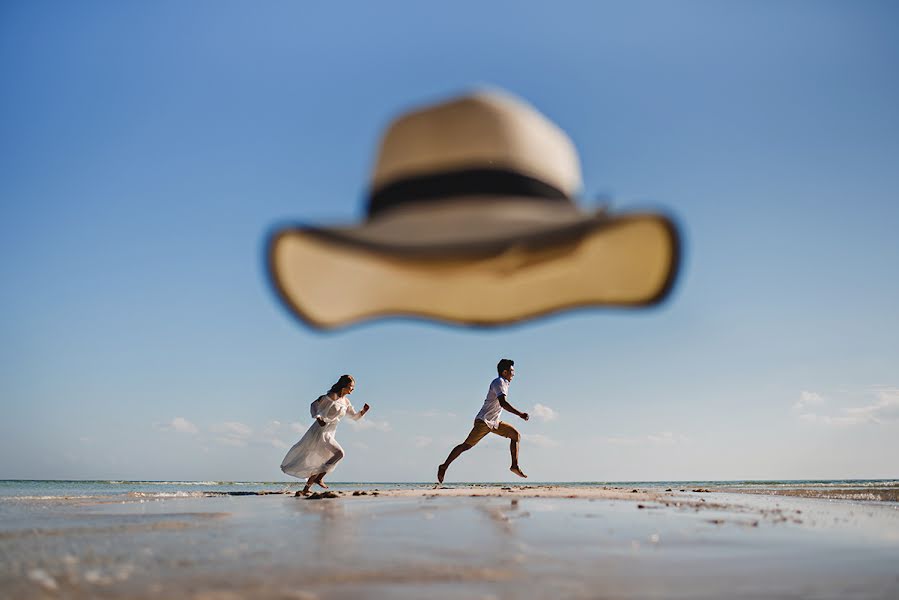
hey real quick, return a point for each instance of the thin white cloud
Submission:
(539, 440)
(427, 414)
(182, 425)
(178, 425)
(807, 398)
(541, 411)
(366, 423)
(232, 441)
(233, 428)
(832, 421)
(664, 438)
(437, 414)
(232, 433)
(621, 440)
(420, 441)
(272, 435)
(884, 409)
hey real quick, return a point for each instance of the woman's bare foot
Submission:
(321, 483)
(518, 471)
(305, 491)
(441, 473)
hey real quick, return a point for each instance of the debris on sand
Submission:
(320, 495)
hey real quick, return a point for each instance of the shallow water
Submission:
(701, 545)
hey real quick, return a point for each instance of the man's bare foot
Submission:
(441, 472)
(518, 471)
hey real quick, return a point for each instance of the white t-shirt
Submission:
(492, 411)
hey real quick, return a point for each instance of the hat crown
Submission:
(485, 130)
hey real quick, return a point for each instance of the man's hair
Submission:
(504, 364)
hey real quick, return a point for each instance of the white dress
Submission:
(318, 451)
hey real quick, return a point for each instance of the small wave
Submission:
(811, 484)
(215, 483)
(56, 497)
(173, 482)
(164, 494)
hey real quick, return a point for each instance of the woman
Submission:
(317, 453)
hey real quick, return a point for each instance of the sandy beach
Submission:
(460, 541)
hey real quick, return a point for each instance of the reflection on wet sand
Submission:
(118, 524)
(502, 516)
(501, 542)
(332, 528)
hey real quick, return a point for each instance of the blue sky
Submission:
(147, 149)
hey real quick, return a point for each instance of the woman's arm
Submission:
(356, 415)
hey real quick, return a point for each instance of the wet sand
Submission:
(879, 494)
(467, 541)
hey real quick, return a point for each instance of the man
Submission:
(488, 421)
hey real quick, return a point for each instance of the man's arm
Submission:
(505, 404)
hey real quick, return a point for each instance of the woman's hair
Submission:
(343, 382)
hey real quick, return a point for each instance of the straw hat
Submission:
(472, 219)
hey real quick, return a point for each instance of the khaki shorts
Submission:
(481, 429)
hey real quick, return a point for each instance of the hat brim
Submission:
(331, 277)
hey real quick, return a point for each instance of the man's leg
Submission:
(453, 455)
(510, 432)
(478, 431)
(513, 448)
